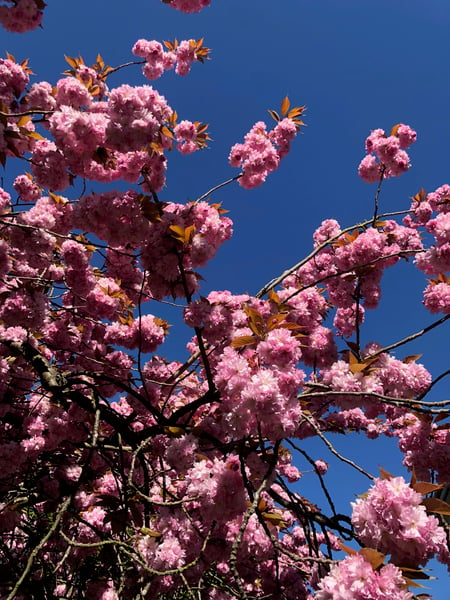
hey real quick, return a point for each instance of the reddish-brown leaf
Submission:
(274, 115)
(411, 358)
(242, 341)
(347, 549)
(274, 519)
(375, 558)
(435, 505)
(285, 105)
(385, 474)
(423, 487)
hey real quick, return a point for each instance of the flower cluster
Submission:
(167, 244)
(261, 152)
(354, 579)
(19, 16)
(180, 55)
(426, 446)
(433, 211)
(13, 80)
(391, 519)
(386, 156)
(188, 6)
(26, 188)
(96, 133)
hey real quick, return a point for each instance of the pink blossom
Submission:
(347, 319)
(328, 229)
(283, 133)
(390, 159)
(23, 15)
(102, 590)
(153, 70)
(75, 254)
(27, 190)
(13, 79)
(77, 132)
(147, 334)
(319, 347)
(189, 6)
(71, 92)
(233, 372)
(157, 60)
(386, 148)
(406, 135)
(399, 164)
(321, 466)
(340, 378)
(135, 116)
(49, 167)
(392, 519)
(440, 227)
(113, 216)
(23, 308)
(373, 140)
(185, 52)
(5, 261)
(369, 170)
(354, 579)
(425, 446)
(279, 348)
(290, 472)
(185, 131)
(437, 298)
(261, 152)
(151, 51)
(169, 554)
(41, 96)
(5, 201)
(103, 300)
(440, 199)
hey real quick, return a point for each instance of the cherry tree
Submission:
(126, 475)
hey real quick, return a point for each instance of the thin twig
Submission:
(62, 509)
(217, 187)
(251, 510)
(277, 280)
(27, 113)
(333, 450)
(409, 338)
(377, 195)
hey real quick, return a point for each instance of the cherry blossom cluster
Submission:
(188, 6)
(19, 16)
(262, 150)
(426, 446)
(165, 248)
(351, 264)
(355, 579)
(14, 79)
(96, 134)
(392, 519)
(432, 212)
(100, 144)
(180, 55)
(386, 156)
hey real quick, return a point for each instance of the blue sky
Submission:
(357, 65)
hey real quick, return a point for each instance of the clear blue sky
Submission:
(357, 65)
